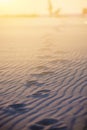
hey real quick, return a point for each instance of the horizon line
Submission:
(41, 15)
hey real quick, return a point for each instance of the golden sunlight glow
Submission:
(4, 1)
(41, 6)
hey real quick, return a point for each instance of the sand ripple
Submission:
(49, 93)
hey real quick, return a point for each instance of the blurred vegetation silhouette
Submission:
(85, 11)
(50, 9)
(52, 12)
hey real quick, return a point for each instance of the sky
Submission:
(40, 6)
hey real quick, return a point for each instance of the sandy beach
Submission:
(43, 73)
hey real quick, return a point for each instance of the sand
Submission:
(43, 74)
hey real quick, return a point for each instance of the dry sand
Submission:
(43, 74)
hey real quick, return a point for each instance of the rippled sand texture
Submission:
(43, 74)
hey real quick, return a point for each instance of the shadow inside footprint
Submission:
(45, 57)
(85, 128)
(36, 127)
(33, 82)
(18, 106)
(45, 73)
(41, 94)
(47, 122)
(42, 67)
(15, 108)
(55, 128)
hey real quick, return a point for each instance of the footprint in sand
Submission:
(33, 83)
(45, 57)
(16, 108)
(41, 67)
(41, 94)
(47, 124)
(36, 127)
(56, 128)
(85, 128)
(45, 73)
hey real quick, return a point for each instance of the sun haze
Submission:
(40, 6)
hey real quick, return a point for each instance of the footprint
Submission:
(48, 125)
(18, 106)
(41, 94)
(15, 108)
(36, 127)
(45, 57)
(33, 83)
(55, 128)
(45, 73)
(42, 67)
(47, 122)
(85, 128)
